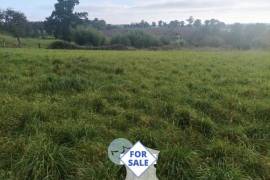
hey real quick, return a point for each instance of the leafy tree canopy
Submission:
(15, 23)
(63, 19)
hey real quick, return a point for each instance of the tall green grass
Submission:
(207, 112)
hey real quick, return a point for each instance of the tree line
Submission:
(70, 26)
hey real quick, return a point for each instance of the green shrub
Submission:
(62, 45)
(121, 39)
(88, 36)
(137, 39)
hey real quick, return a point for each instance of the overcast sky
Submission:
(128, 11)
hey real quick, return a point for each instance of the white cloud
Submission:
(127, 11)
(153, 10)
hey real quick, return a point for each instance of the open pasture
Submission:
(207, 112)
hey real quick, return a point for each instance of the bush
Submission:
(88, 36)
(121, 39)
(137, 39)
(165, 40)
(140, 39)
(111, 47)
(62, 45)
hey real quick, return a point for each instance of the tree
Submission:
(97, 24)
(2, 16)
(144, 24)
(63, 19)
(160, 23)
(182, 23)
(16, 23)
(36, 29)
(237, 37)
(174, 24)
(207, 23)
(190, 21)
(197, 23)
(154, 24)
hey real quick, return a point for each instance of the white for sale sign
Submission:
(138, 159)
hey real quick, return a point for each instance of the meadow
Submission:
(11, 42)
(207, 112)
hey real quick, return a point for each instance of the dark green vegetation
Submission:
(207, 112)
(137, 39)
(66, 24)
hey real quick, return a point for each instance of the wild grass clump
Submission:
(98, 104)
(63, 135)
(53, 84)
(259, 135)
(102, 170)
(224, 154)
(166, 109)
(206, 126)
(257, 168)
(121, 124)
(262, 113)
(94, 163)
(119, 71)
(23, 117)
(213, 110)
(10, 153)
(184, 118)
(224, 172)
(178, 163)
(220, 152)
(144, 104)
(133, 117)
(42, 159)
(145, 136)
(234, 134)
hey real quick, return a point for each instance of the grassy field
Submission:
(11, 42)
(207, 112)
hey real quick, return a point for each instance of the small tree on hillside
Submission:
(15, 23)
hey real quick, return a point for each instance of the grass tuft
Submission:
(43, 159)
(178, 163)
